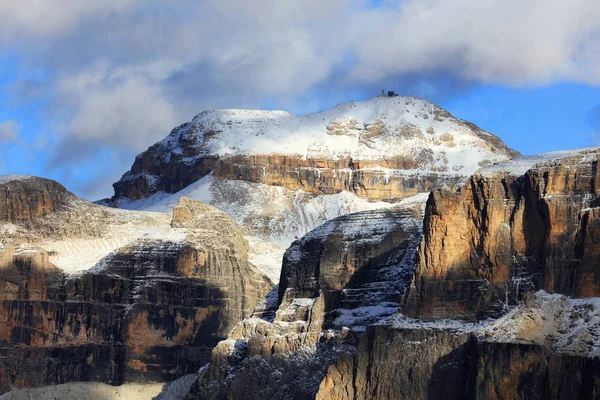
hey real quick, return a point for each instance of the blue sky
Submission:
(85, 86)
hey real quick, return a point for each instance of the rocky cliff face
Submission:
(151, 309)
(350, 272)
(545, 348)
(23, 199)
(280, 175)
(368, 179)
(327, 332)
(507, 232)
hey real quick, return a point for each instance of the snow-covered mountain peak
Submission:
(280, 175)
(376, 129)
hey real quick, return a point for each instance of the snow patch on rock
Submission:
(14, 177)
(520, 165)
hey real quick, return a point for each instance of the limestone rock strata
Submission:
(545, 348)
(376, 180)
(350, 272)
(428, 363)
(482, 334)
(152, 309)
(506, 233)
(394, 363)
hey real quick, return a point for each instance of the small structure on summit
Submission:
(390, 93)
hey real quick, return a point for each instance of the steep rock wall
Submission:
(24, 198)
(432, 363)
(151, 310)
(504, 234)
(376, 180)
(337, 279)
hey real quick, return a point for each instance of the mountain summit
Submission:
(281, 175)
(397, 135)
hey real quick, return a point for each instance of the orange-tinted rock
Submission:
(24, 198)
(377, 180)
(502, 235)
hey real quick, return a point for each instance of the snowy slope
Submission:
(520, 165)
(271, 216)
(376, 129)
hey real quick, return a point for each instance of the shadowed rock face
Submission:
(504, 234)
(150, 310)
(434, 363)
(394, 363)
(348, 273)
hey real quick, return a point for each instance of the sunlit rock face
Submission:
(512, 228)
(280, 176)
(150, 298)
(24, 198)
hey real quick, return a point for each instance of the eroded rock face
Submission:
(348, 273)
(484, 250)
(25, 198)
(150, 310)
(504, 234)
(376, 180)
(394, 363)
(430, 363)
(523, 355)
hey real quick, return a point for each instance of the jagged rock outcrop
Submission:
(525, 225)
(151, 309)
(23, 199)
(337, 279)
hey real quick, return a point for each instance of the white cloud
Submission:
(507, 42)
(122, 107)
(50, 17)
(9, 131)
